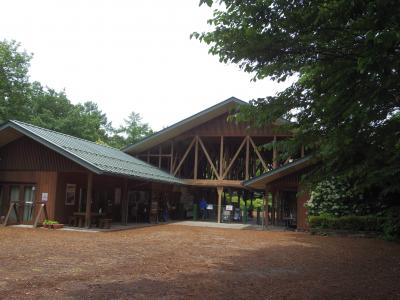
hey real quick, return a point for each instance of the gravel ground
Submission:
(180, 262)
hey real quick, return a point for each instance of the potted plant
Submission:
(51, 224)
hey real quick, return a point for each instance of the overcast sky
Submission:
(127, 55)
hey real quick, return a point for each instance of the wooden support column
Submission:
(89, 200)
(247, 157)
(266, 215)
(171, 167)
(159, 157)
(274, 155)
(273, 207)
(221, 157)
(196, 157)
(220, 189)
(124, 203)
(302, 151)
(148, 156)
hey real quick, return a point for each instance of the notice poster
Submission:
(45, 197)
(70, 194)
(210, 207)
(229, 207)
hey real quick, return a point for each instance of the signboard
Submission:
(210, 206)
(229, 207)
(70, 194)
(45, 197)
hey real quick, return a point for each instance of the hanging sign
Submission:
(229, 207)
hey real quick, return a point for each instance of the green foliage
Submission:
(345, 101)
(50, 222)
(351, 223)
(391, 227)
(42, 106)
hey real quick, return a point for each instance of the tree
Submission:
(135, 129)
(14, 82)
(345, 55)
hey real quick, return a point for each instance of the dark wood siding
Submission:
(26, 154)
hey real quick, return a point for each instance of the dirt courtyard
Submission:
(181, 262)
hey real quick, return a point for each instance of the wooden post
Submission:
(148, 156)
(302, 151)
(89, 200)
(171, 167)
(274, 155)
(159, 157)
(266, 215)
(221, 158)
(220, 189)
(196, 157)
(247, 157)
(124, 214)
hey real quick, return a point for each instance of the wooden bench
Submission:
(105, 223)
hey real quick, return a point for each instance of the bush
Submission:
(352, 223)
(49, 222)
(391, 227)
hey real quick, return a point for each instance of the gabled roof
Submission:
(259, 182)
(184, 125)
(97, 158)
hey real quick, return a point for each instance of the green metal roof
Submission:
(260, 181)
(97, 158)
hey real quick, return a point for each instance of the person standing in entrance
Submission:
(203, 208)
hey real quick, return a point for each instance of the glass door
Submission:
(29, 204)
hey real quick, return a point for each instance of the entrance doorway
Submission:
(23, 197)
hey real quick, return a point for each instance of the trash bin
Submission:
(195, 212)
(245, 215)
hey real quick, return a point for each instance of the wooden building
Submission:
(213, 155)
(206, 157)
(71, 177)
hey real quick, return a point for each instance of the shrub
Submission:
(352, 223)
(391, 227)
(49, 222)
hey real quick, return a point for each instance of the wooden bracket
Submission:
(13, 206)
(234, 158)
(42, 210)
(184, 156)
(209, 158)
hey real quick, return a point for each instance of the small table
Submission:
(81, 217)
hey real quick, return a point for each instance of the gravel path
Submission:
(181, 262)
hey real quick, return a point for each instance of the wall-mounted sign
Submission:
(70, 194)
(229, 207)
(45, 197)
(210, 206)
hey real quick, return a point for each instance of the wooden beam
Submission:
(208, 158)
(221, 157)
(234, 158)
(258, 154)
(247, 162)
(185, 155)
(220, 189)
(196, 157)
(89, 200)
(214, 183)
